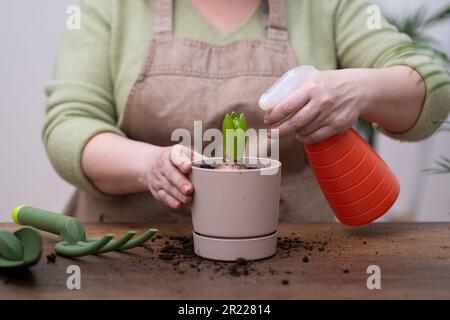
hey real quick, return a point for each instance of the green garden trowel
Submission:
(73, 234)
(21, 248)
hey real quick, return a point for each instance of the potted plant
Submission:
(236, 201)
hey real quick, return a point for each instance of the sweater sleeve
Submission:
(361, 44)
(80, 97)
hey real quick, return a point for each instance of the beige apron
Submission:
(186, 80)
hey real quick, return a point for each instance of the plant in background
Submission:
(443, 164)
(233, 134)
(415, 26)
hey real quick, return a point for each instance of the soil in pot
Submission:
(230, 165)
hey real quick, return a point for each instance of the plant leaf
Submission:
(243, 122)
(227, 124)
(438, 17)
(443, 167)
(233, 136)
(236, 123)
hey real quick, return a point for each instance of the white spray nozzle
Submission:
(284, 86)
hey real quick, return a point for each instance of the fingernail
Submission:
(177, 205)
(186, 189)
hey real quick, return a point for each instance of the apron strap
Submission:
(163, 18)
(277, 28)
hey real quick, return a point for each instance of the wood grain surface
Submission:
(314, 261)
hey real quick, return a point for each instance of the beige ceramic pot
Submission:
(235, 212)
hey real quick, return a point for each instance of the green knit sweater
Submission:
(97, 65)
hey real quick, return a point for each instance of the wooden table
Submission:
(414, 260)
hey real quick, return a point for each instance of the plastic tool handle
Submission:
(40, 219)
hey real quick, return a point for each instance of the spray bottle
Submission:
(356, 182)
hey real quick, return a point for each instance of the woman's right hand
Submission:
(168, 179)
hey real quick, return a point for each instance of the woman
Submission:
(137, 70)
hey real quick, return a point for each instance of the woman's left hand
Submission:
(328, 103)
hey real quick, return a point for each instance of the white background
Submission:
(29, 31)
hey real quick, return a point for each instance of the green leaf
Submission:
(227, 124)
(443, 167)
(236, 123)
(439, 17)
(234, 128)
(243, 122)
(366, 130)
(412, 24)
(415, 26)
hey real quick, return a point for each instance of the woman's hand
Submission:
(118, 165)
(330, 102)
(168, 179)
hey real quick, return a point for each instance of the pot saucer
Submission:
(223, 249)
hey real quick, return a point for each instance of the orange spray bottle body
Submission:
(356, 182)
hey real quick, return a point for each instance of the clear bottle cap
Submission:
(284, 86)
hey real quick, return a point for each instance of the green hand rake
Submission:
(73, 234)
(21, 248)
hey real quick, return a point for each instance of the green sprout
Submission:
(233, 134)
(442, 165)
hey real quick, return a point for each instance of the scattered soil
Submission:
(289, 244)
(177, 252)
(166, 256)
(51, 258)
(346, 271)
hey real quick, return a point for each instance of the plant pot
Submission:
(235, 212)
